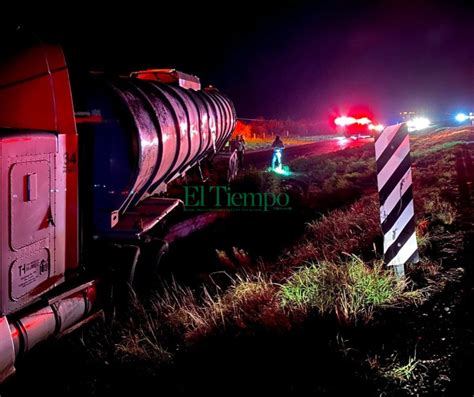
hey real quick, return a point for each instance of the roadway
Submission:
(263, 156)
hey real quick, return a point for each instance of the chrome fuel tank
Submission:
(138, 135)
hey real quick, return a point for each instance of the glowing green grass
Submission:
(281, 170)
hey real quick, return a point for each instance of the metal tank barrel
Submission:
(141, 134)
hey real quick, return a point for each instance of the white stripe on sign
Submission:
(405, 253)
(392, 164)
(396, 229)
(385, 138)
(394, 197)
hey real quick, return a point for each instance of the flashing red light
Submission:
(364, 121)
(344, 121)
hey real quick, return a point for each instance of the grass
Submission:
(351, 290)
(395, 370)
(358, 162)
(440, 210)
(334, 181)
(403, 373)
(423, 237)
(180, 316)
(433, 149)
(349, 230)
(426, 144)
(138, 334)
(256, 181)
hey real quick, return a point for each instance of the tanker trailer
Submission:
(83, 178)
(138, 134)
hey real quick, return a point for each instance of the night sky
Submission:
(287, 62)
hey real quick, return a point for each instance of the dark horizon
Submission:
(304, 61)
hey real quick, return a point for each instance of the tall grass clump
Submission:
(249, 303)
(350, 290)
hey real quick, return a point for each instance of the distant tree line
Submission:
(263, 128)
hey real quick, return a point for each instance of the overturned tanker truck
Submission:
(85, 176)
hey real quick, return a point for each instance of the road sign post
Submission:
(394, 179)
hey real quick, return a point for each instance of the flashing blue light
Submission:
(461, 117)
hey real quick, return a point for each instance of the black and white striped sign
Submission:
(397, 216)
